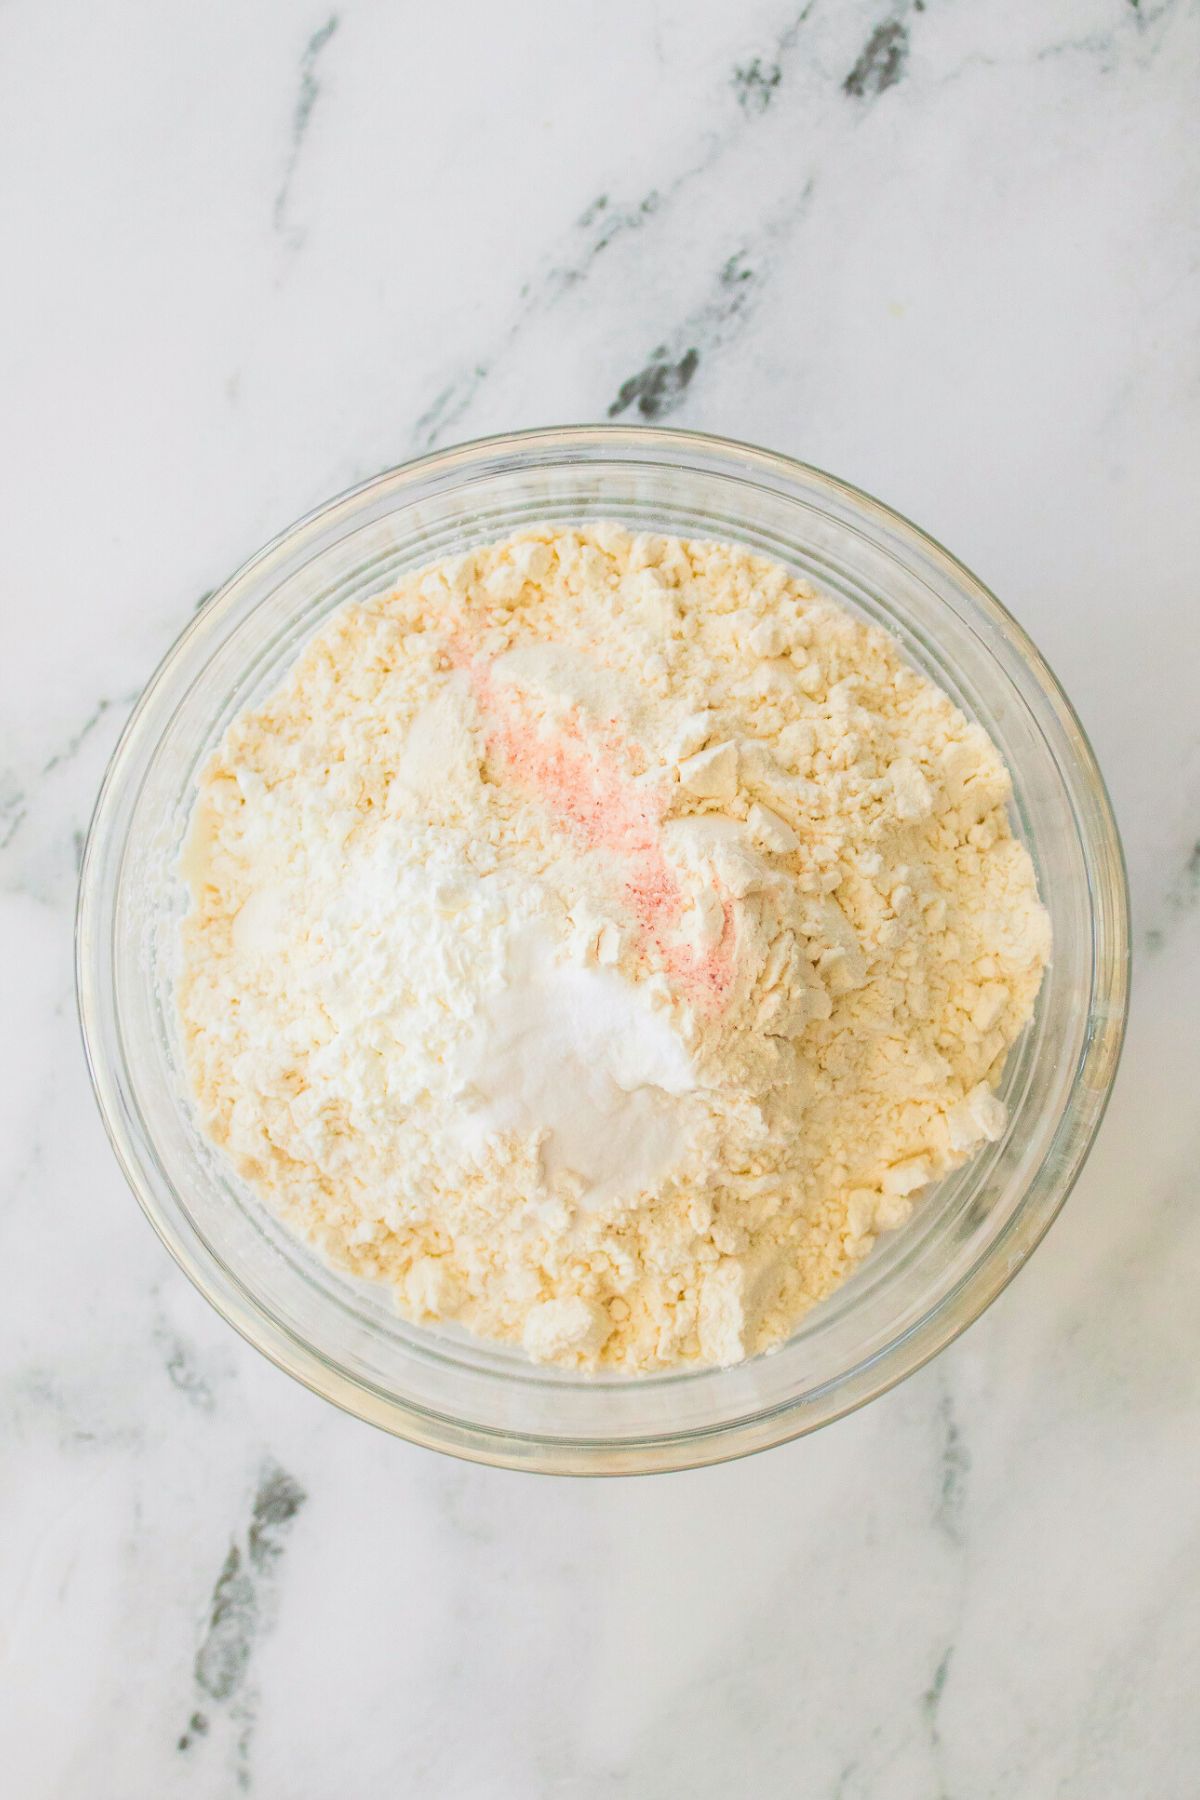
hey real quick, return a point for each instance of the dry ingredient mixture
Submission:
(600, 939)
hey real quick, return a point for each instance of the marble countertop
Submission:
(949, 251)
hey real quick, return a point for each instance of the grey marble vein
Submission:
(243, 1605)
(880, 62)
(20, 794)
(181, 1367)
(931, 1705)
(756, 81)
(13, 811)
(1182, 898)
(754, 84)
(80, 736)
(955, 1463)
(599, 224)
(306, 99)
(660, 387)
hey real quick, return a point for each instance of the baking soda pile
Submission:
(600, 939)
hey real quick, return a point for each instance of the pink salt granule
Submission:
(586, 786)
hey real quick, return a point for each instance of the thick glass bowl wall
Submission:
(344, 1338)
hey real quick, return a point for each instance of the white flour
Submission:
(600, 939)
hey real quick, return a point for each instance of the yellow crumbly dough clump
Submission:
(600, 939)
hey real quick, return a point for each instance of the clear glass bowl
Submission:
(920, 1287)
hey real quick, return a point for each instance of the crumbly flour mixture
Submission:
(601, 939)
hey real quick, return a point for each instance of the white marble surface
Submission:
(253, 253)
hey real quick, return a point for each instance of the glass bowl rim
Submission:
(949, 1315)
